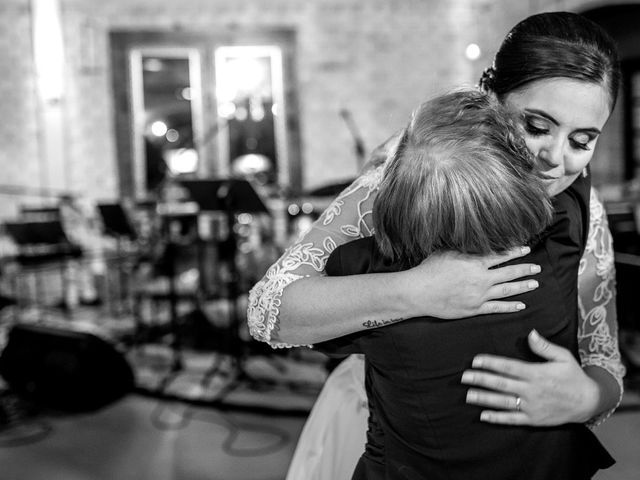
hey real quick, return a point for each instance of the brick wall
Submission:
(20, 126)
(377, 58)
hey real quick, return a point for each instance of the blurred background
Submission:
(157, 156)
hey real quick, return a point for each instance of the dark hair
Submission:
(462, 179)
(554, 44)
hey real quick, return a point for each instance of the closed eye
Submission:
(579, 145)
(535, 131)
(535, 125)
(581, 141)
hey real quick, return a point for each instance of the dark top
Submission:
(420, 426)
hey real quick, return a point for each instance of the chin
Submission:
(558, 185)
(554, 188)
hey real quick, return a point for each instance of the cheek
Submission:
(533, 144)
(577, 161)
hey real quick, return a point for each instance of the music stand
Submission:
(116, 221)
(37, 233)
(165, 265)
(117, 224)
(39, 214)
(41, 242)
(230, 196)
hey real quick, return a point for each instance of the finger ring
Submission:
(518, 403)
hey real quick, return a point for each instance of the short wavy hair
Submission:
(461, 178)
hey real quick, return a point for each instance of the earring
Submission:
(585, 172)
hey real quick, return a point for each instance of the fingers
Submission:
(547, 350)
(505, 418)
(491, 399)
(499, 258)
(500, 307)
(514, 272)
(502, 365)
(512, 288)
(491, 381)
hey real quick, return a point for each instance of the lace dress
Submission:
(349, 217)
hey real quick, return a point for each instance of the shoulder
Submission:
(578, 194)
(352, 258)
(574, 203)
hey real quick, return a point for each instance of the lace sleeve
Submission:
(347, 218)
(598, 327)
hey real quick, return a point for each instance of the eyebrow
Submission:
(544, 114)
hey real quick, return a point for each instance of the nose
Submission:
(552, 154)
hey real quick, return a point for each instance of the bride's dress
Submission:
(333, 438)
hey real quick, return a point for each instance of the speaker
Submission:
(64, 370)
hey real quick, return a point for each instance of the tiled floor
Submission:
(140, 439)
(144, 438)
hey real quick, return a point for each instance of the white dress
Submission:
(349, 218)
(333, 437)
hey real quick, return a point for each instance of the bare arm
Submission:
(296, 304)
(438, 287)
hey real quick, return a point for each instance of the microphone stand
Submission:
(357, 138)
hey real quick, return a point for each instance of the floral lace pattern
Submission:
(349, 217)
(309, 254)
(598, 328)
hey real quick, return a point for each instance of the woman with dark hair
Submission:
(559, 73)
(462, 179)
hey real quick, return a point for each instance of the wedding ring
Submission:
(518, 402)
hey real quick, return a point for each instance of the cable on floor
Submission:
(232, 426)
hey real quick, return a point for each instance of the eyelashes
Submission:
(536, 131)
(582, 140)
(578, 145)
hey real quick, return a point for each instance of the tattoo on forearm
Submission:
(380, 323)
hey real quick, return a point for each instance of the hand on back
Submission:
(452, 285)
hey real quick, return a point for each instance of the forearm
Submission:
(317, 309)
(287, 309)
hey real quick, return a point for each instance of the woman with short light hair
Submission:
(461, 178)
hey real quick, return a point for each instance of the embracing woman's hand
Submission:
(460, 285)
(550, 393)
